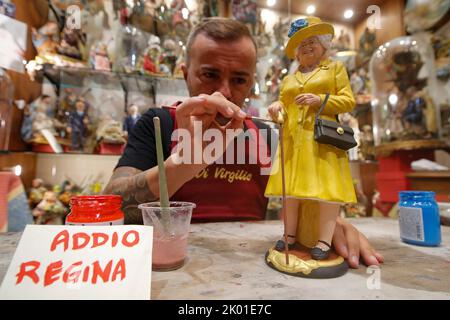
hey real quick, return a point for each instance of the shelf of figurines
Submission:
(92, 111)
(57, 74)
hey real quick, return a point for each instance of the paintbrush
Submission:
(249, 117)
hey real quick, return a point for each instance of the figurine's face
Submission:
(310, 51)
(46, 101)
(80, 106)
(133, 110)
(36, 183)
(50, 197)
(223, 66)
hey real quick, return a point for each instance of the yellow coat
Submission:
(312, 170)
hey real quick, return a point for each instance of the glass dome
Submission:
(6, 96)
(403, 89)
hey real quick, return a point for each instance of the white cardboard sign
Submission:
(81, 262)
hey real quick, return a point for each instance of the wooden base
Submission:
(302, 265)
(110, 148)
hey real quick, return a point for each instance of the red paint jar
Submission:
(101, 210)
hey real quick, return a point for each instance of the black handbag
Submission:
(332, 132)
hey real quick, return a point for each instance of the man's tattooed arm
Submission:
(131, 184)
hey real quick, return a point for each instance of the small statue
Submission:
(367, 44)
(36, 192)
(42, 121)
(357, 83)
(67, 191)
(352, 122)
(180, 24)
(45, 40)
(131, 119)
(110, 131)
(168, 57)
(50, 210)
(72, 43)
(150, 64)
(313, 199)
(367, 144)
(181, 60)
(99, 59)
(343, 41)
(78, 125)
(419, 116)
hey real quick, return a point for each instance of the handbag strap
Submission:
(322, 106)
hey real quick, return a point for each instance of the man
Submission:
(219, 73)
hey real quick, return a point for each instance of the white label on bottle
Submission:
(104, 223)
(411, 223)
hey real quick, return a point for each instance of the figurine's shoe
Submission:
(280, 245)
(319, 254)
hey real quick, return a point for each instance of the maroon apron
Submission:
(227, 192)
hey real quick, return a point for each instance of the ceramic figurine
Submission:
(367, 44)
(50, 210)
(317, 176)
(367, 144)
(67, 191)
(72, 43)
(78, 125)
(343, 41)
(45, 40)
(42, 119)
(180, 24)
(110, 131)
(36, 193)
(150, 63)
(131, 119)
(168, 57)
(419, 117)
(352, 122)
(99, 59)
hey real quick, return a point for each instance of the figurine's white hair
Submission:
(325, 41)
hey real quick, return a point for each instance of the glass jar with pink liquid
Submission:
(170, 232)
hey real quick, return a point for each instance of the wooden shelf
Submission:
(437, 181)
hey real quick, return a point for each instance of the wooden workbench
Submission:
(226, 261)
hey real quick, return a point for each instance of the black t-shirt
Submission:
(140, 151)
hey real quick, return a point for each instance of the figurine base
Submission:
(45, 148)
(110, 148)
(302, 265)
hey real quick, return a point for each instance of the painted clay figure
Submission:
(132, 118)
(78, 125)
(318, 179)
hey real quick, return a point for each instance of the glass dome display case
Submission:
(6, 96)
(403, 102)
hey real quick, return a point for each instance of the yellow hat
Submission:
(302, 29)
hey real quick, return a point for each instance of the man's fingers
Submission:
(339, 241)
(352, 237)
(379, 257)
(369, 255)
(225, 107)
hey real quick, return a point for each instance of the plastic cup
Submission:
(169, 236)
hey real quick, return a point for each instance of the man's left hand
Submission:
(351, 244)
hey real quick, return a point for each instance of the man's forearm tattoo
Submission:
(131, 184)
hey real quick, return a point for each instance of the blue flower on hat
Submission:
(297, 25)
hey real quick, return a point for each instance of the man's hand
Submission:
(206, 109)
(351, 244)
(308, 99)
